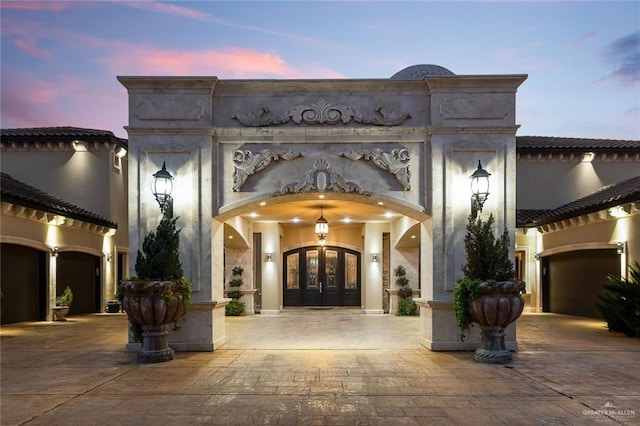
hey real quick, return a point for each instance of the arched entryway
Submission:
(321, 276)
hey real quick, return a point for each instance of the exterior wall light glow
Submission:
(54, 252)
(162, 187)
(617, 211)
(620, 247)
(121, 152)
(79, 146)
(479, 189)
(588, 157)
(109, 257)
(269, 257)
(374, 257)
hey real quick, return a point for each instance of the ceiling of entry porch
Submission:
(336, 212)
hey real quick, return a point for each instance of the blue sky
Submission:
(60, 60)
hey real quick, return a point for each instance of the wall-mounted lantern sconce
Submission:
(374, 257)
(479, 189)
(322, 229)
(537, 256)
(109, 257)
(620, 247)
(162, 187)
(54, 252)
(269, 257)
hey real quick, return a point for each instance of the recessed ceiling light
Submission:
(264, 203)
(295, 220)
(346, 220)
(388, 215)
(231, 237)
(380, 203)
(253, 214)
(321, 196)
(413, 236)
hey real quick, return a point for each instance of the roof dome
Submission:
(418, 72)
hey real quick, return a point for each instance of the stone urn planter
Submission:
(152, 305)
(60, 313)
(496, 305)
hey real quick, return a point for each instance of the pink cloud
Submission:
(170, 9)
(224, 63)
(30, 47)
(38, 5)
(28, 101)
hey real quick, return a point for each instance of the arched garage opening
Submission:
(24, 283)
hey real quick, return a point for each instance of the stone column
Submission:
(472, 118)
(170, 122)
(372, 292)
(271, 271)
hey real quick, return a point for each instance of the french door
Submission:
(321, 276)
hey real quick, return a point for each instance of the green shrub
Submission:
(487, 260)
(406, 308)
(488, 257)
(66, 298)
(235, 308)
(620, 305)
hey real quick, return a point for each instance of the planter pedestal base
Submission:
(155, 346)
(493, 349)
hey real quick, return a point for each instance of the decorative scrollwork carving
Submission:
(321, 178)
(246, 163)
(395, 162)
(321, 112)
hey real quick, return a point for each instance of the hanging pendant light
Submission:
(322, 229)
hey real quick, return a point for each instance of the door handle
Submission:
(320, 286)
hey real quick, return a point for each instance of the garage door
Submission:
(572, 281)
(81, 272)
(23, 284)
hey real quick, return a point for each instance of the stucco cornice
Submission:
(55, 146)
(37, 215)
(146, 82)
(603, 215)
(511, 130)
(475, 83)
(559, 157)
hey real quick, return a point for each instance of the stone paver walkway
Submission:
(318, 368)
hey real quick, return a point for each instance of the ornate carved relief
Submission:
(247, 163)
(321, 178)
(321, 112)
(395, 162)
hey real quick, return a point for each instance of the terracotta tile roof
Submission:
(608, 196)
(549, 144)
(524, 217)
(59, 134)
(19, 193)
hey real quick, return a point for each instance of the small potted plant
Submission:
(406, 306)
(63, 303)
(488, 293)
(235, 307)
(159, 293)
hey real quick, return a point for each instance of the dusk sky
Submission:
(60, 60)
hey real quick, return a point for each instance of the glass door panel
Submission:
(331, 294)
(313, 285)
